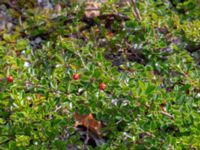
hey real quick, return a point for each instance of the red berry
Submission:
(102, 86)
(76, 76)
(39, 96)
(110, 34)
(10, 79)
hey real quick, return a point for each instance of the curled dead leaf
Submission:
(89, 123)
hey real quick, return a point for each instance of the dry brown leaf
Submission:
(88, 122)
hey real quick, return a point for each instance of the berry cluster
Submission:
(102, 86)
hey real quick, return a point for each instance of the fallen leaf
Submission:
(88, 122)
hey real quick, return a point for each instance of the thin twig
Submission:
(135, 10)
(83, 63)
(167, 114)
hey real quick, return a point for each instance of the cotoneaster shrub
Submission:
(137, 78)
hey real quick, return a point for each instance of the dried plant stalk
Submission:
(135, 10)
